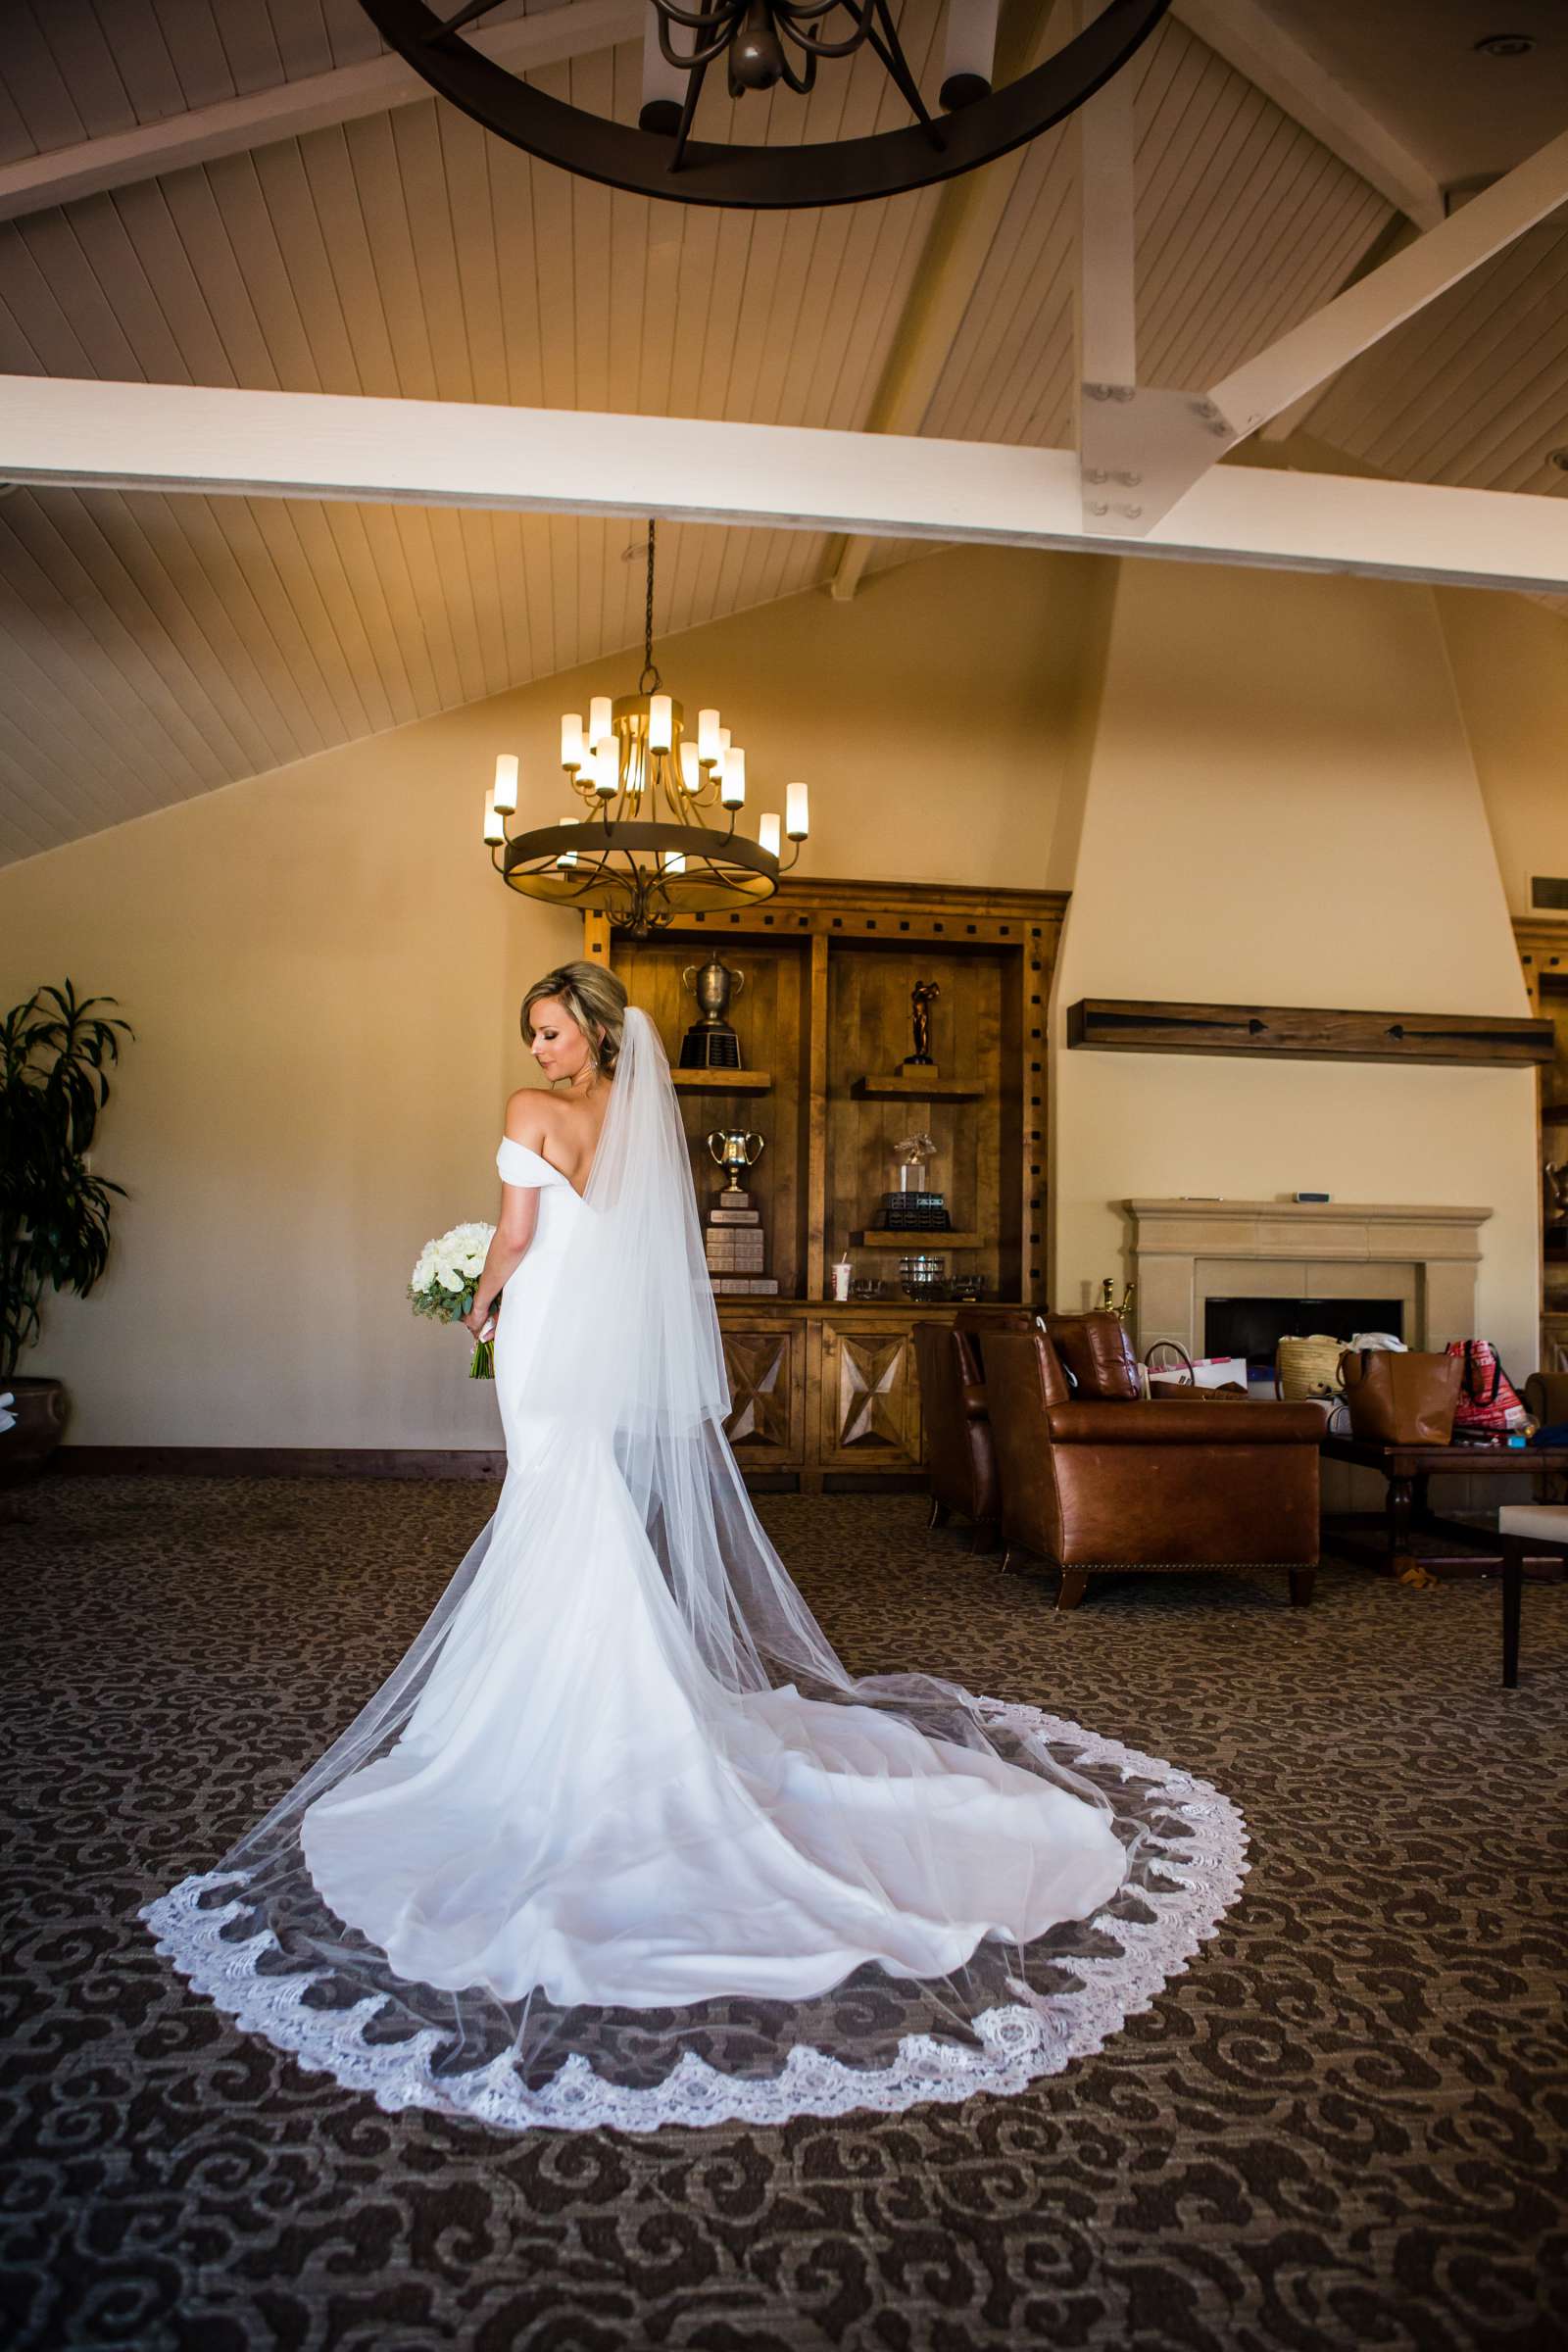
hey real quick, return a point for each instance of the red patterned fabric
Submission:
(1488, 1402)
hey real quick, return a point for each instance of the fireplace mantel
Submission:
(1185, 1253)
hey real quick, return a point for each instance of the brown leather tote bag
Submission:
(1400, 1399)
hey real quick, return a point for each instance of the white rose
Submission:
(451, 1281)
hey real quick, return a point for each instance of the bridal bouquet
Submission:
(443, 1282)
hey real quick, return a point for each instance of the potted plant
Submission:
(56, 1052)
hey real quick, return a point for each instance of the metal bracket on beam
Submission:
(1142, 449)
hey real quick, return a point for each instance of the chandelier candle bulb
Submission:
(707, 738)
(664, 90)
(675, 862)
(732, 792)
(599, 722)
(691, 772)
(797, 818)
(970, 60)
(767, 834)
(572, 743)
(607, 771)
(568, 858)
(660, 722)
(504, 795)
(495, 832)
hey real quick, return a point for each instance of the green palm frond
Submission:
(55, 1053)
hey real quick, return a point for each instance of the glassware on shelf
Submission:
(924, 1274)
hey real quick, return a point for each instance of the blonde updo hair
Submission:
(596, 1001)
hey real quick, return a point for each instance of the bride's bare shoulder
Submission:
(532, 1116)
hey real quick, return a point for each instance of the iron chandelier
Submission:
(764, 43)
(648, 851)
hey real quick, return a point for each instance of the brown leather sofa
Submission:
(1095, 1478)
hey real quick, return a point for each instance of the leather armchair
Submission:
(1095, 1478)
(960, 1452)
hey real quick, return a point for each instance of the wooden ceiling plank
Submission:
(73, 640)
(190, 536)
(1018, 283)
(86, 547)
(267, 107)
(194, 44)
(383, 559)
(1281, 192)
(1251, 40)
(137, 63)
(49, 657)
(1390, 294)
(1410, 374)
(251, 48)
(1491, 341)
(1232, 174)
(36, 309)
(299, 37)
(175, 587)
(37, 84)
(50, 774)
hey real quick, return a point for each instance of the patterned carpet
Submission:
(1345, 2127)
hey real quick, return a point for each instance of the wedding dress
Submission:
(621, 1841)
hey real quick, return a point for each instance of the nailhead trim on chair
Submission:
(1147, 1567)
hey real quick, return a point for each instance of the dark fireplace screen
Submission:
(1254, 1327)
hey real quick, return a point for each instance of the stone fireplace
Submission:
(1421, 1260)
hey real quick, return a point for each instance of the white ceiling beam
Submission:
(235, 125)
(957, 245)
(1246, 36)
(173, 439)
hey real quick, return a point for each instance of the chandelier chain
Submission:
(650, 680)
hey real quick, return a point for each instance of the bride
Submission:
(621, 1841)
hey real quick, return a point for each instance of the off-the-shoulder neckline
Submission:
(560, 1173)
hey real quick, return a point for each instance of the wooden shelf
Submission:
(722, 1082)
(910, 1086)
(872, 1236)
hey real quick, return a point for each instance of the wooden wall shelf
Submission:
(722, 1082)
(913, 1087)
(876, 1236)
(1303, 1033)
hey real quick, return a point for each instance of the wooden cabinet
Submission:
(766, 1360)
(825, 1391)
(868, 1392)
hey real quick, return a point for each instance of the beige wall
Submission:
(1282, 807)
(1510, 667)
(325, 976)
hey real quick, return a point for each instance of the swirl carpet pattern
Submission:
(1346, 2125)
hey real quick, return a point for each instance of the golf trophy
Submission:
(733, 1240)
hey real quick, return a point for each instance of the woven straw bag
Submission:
(1305, 1370)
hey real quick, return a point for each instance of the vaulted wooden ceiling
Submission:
(152, 647)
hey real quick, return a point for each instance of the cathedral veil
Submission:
(622, 1375)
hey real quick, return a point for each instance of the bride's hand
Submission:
(482, 1322)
